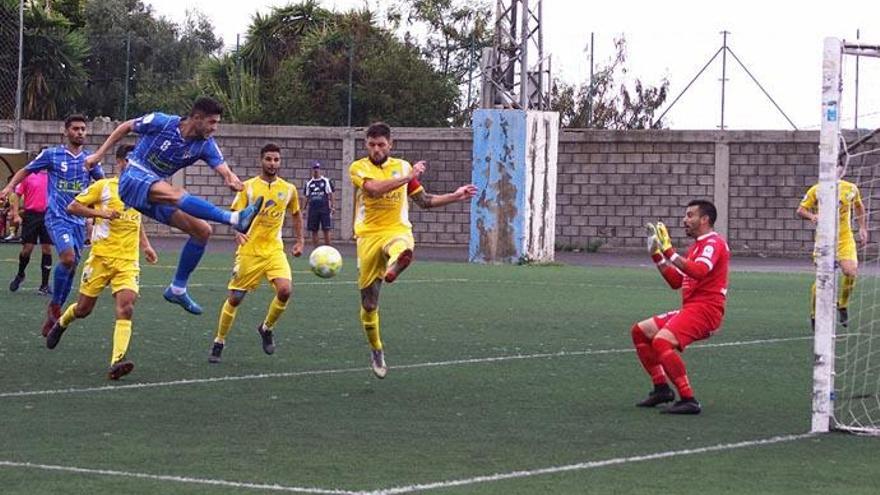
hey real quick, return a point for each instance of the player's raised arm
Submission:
(670, 274)
(122, 130)
(426, 200)
(232, 181)
(378, 187)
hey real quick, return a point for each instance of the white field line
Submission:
(293, 374)
(177, 479)
(421, 486)
(297, 283)
(588, 465)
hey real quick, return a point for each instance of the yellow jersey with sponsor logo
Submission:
(117, 238)
(279, 198)
(386, 214)
(848, 196)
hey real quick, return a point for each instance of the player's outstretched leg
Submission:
(205, 210)
(400, 256)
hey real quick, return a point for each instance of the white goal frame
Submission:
(826, 230)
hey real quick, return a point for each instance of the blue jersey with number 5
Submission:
(68, 177)
(163, 151)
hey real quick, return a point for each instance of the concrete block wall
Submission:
(609, 182)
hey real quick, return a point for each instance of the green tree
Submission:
(609, 103)
(275, 36)
(162, 56)
(390, 79)
(451, 34)
(53, 64)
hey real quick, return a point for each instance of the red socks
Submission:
(648, 356)
(674, 366)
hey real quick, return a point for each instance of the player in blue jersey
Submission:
(167, 144)
(68, 176)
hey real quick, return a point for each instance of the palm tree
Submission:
(53, 73)
(273, 37)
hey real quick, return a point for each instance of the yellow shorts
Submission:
(846, 249)
(250, 270)
(101, 271)
(372, 255)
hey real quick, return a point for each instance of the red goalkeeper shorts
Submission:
(691, 323)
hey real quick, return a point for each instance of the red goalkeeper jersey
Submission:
(710, 249)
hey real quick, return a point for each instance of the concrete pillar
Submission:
(722, 186)
(349, 149)
(513, 217)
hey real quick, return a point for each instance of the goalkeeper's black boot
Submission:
(684, 406)
(660, 395)
(843, 317)
(216, 351)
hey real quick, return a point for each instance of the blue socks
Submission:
(189, 258)
(203, 209)
(62, 282)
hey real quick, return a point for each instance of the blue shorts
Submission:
(319, 219)
(134, 190)
(66, 235)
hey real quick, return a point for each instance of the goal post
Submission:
(846, 364)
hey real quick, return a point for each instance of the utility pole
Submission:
(723, 73)
(515, 72)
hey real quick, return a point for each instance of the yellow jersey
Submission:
(848, 197)
(389, 213)
(117, 238)
(279, 197)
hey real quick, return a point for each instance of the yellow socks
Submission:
(370, 322)
(121, 338)
(276, 307)
(846, 288)
(68, 316)
(227, 316)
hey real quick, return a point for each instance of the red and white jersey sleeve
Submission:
(710, 249)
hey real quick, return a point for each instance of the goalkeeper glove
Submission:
(654, 248)
(665, 240)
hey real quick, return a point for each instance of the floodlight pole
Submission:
(18, 136)
(515, 72)
(723, 73)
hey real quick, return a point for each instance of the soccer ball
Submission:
(325, 261)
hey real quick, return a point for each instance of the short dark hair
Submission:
(207, 106)
(123, 150)
(76, 117)
(379, 129)
(706, 208)
(268, 148)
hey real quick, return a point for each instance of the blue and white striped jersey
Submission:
(68, 177)
(162, 150)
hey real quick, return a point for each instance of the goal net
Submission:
(846, 368)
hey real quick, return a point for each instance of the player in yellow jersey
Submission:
(847, 256)
(385, 242)
(114, 261)
(260, 252)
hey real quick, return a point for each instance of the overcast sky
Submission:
(780, 44)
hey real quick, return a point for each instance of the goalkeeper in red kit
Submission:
(702, 277)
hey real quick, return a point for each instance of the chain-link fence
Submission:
(9, 40)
